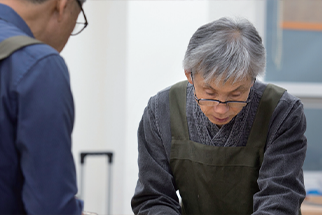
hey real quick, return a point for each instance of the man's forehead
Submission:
(229, 85)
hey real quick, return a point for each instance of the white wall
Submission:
(130, 51)
(97, 63)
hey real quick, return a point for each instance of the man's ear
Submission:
(253, 82)
(61, 6)
(188, 75)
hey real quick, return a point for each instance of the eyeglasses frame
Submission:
(85, 23)
(217, 102)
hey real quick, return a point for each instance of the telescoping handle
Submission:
(109, 155)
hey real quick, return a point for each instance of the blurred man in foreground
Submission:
(229, 143)
(37, 172)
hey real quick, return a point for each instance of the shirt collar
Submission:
(9, 15)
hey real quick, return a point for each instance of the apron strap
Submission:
(270, 98)
(177, 99)
(12, 44)
(258, 135)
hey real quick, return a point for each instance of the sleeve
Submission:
(281, 176)
(44, 126)
(155, 191)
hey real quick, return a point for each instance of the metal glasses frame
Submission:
(85, 23)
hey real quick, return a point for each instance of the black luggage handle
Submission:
(109, 186)
(108, 154)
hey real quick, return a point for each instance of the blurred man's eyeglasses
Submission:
(81, 23)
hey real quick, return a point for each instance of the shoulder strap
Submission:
(177, 99)
(12, 44)
(270, 98)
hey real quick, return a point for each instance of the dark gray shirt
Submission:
(280, 178)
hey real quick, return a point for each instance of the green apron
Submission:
(218, 180)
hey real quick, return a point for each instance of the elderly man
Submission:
(37, 172)
(229, 143)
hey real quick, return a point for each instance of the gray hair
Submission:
(226, 48)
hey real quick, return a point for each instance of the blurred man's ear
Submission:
(188, 75)
(61, 6)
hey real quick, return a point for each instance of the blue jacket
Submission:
(37, 170)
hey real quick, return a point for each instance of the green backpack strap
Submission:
(12, 44)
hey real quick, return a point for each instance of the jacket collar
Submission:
(9, 15)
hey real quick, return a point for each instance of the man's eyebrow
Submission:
(241, 87)
(206, 85)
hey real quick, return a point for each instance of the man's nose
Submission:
(221, 108)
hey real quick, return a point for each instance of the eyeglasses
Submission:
(80, 26)
(215, 103)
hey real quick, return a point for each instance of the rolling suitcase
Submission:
(109, 155)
